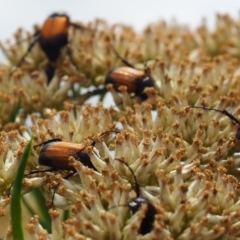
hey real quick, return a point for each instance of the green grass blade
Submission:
(45, 219)
(16, 213)
(66, 215)
(14, 113)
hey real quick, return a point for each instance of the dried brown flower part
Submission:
(12, 145)
(194, 207)
(74, 123)
(91, 51)
(22, 94)
(173, 42)
(9, 101)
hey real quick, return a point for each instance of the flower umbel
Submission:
(162, 169)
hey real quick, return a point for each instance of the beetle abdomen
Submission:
(56, 154)
(125, 76)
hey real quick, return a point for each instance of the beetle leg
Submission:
(122, 59)
(31, 172)
(25, 39)
(40, 171)
(69, 52)
(46, 142)
(49, 71)
(23, 57)
(28, 50)
(66, 177)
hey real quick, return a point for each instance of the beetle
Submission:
(55, 153)
(135, 80)
(52, 37)
(226, 113)
(135, 203)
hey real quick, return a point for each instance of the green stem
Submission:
(45, 219)
(16, 213)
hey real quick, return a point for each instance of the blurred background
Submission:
(25, 13)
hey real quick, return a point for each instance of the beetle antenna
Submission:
(46, 142)
(77, 26)
(110, 131)
(122, 59)
(137, 187)
(225, 112)
(102, 134)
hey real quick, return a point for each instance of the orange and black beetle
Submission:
(55, 154)
(134, 204)
(52, 37)
(135, 80)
